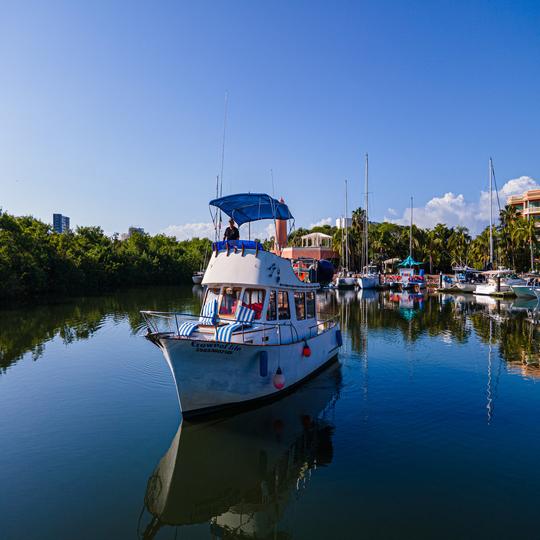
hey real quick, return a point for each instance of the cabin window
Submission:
(229, 301)
(310, 305)
(271, 313)
(211, 294)
(283, 306)
(300, 305)
(254, 299)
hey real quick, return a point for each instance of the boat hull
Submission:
(197, 279)
(211, 376)
(524, 291)
(466, 287)
(368, 282)
(505, 287)
(346, 283)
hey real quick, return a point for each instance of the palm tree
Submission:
(525, 234)
(479, 250)
(432, 247)
(458, 245)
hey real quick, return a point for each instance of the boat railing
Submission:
(322, 326)
(167, 322)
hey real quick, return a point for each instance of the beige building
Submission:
(527, 205)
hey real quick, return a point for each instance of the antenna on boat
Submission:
(217, 218)
(222, 157)
(272, 178)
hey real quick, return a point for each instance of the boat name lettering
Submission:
(213, 347)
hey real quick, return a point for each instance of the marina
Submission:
(429, 415)
(269, 271)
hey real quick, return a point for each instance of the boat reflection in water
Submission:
(240, 473)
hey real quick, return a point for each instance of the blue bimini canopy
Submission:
(245, 207)
(409, 262)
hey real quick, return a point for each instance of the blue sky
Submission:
(112, 112)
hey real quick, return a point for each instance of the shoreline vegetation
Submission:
(37, 263)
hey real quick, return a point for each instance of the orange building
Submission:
(527, 205)
(314, 246)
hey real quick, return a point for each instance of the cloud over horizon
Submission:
(453, 209)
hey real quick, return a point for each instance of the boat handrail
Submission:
(259, 326)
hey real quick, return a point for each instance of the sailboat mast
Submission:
(410, 230)
(346, 229)
(490, 213)
(365, 261)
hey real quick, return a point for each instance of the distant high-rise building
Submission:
(60, 223)
(131, 231)
(340, 222)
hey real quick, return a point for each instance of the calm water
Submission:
(428, 428)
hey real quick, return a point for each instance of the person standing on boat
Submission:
(231, 232)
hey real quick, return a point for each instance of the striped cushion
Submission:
(187, 328)
(208, 313)
(245, 315)
(224, 333)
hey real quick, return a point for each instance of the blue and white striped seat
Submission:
(187, 328)
(224, 333)
(207, 318)
(244, 318)
(209, 313)
(245, 315)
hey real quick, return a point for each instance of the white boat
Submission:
(258, 335)
(369, 278)
(197, 277)
(345, 280)
(498, 281)
(466, 279)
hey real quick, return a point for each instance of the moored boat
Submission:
(466, 279)
(369, 278)
(527, 290)
(499, 281)
(258, 334)
(197, 277)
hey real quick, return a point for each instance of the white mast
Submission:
(490, 213)
(365, 255)
(346, 229)
(410, 230)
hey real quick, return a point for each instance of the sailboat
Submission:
(369, 278)
(502, 280)
(408, 277)
(344, 279)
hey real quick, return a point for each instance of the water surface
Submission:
(426, 428)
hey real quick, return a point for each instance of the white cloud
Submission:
(186, 231)
(453, 209)
(321, 222)
(190, 230)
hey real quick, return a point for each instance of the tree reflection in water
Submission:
(514, 324)
(27, 329)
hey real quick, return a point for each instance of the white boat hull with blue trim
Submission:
(210, 375)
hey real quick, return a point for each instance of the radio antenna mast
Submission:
(222, 159)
